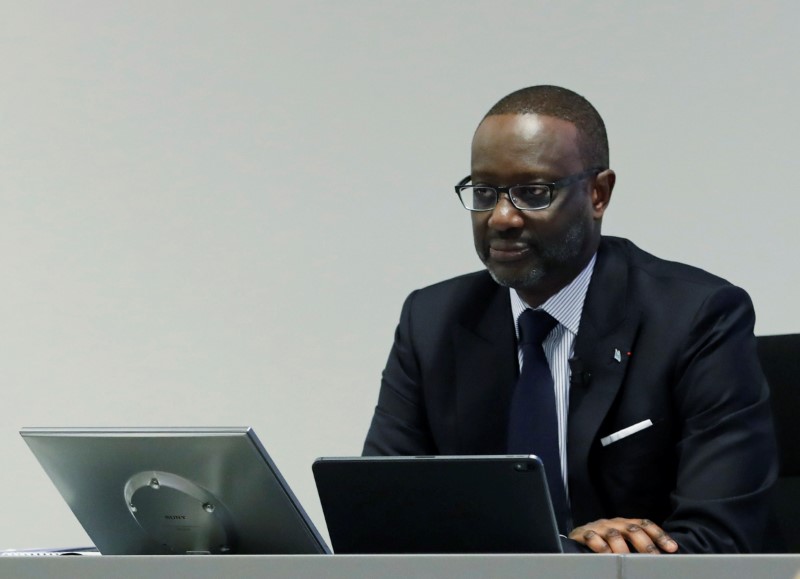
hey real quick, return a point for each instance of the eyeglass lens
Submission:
(523, 196)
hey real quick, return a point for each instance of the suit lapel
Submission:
(606, 335)
(485, 343)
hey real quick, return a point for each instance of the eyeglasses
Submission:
(524, 197)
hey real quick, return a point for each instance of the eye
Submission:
(531, 195)
(531, 190)
(482, 196)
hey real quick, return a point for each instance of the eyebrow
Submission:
(529, 179)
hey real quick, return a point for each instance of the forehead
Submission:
(528, 145)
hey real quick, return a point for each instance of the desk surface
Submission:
(407, 566)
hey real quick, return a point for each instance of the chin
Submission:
(519, 280)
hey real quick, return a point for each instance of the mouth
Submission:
(506, 252)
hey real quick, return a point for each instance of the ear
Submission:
(601, 192)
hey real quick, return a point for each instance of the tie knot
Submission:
(534, 325)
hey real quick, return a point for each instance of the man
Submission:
(664, 435)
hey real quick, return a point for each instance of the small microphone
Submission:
(579, 376)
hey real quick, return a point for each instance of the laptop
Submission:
(160, 491)
(437, 504)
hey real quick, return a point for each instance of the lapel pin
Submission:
(617, 355)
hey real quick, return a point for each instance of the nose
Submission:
(505, 215)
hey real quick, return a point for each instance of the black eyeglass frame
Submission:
(551, 188)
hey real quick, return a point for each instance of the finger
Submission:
(616, 541)
(595, 541)
(659, 536)
(640, 540)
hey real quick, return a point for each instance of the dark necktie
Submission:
(533, 423)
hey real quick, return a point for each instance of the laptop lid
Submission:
(174, 490)
(438, 504)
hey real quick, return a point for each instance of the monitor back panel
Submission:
(159, 491)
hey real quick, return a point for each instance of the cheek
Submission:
(565, 217)
(478, 224)
(540, 225)
(479, 229)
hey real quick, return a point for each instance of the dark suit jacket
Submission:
(689, 364)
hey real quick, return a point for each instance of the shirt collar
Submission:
(565, 306)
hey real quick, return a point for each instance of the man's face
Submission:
(535, 252)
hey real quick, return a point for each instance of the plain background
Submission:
(211, 212)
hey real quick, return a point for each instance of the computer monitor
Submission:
(175, 490)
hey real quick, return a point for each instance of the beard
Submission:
(548, 258)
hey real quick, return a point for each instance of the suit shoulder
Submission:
(640, 262)
(466, 284)
(667, 290)
(461, 297)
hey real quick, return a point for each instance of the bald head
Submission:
(561, 103)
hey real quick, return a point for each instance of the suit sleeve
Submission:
(399, 425)
(726, 451)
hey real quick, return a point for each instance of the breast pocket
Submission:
(636, 443)
(634, 475)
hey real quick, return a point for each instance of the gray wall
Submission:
(210, 212)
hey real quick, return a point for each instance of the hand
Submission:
(615, 536)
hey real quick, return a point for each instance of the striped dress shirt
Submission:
(566, 307)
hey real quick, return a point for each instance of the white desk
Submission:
(406, 567)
